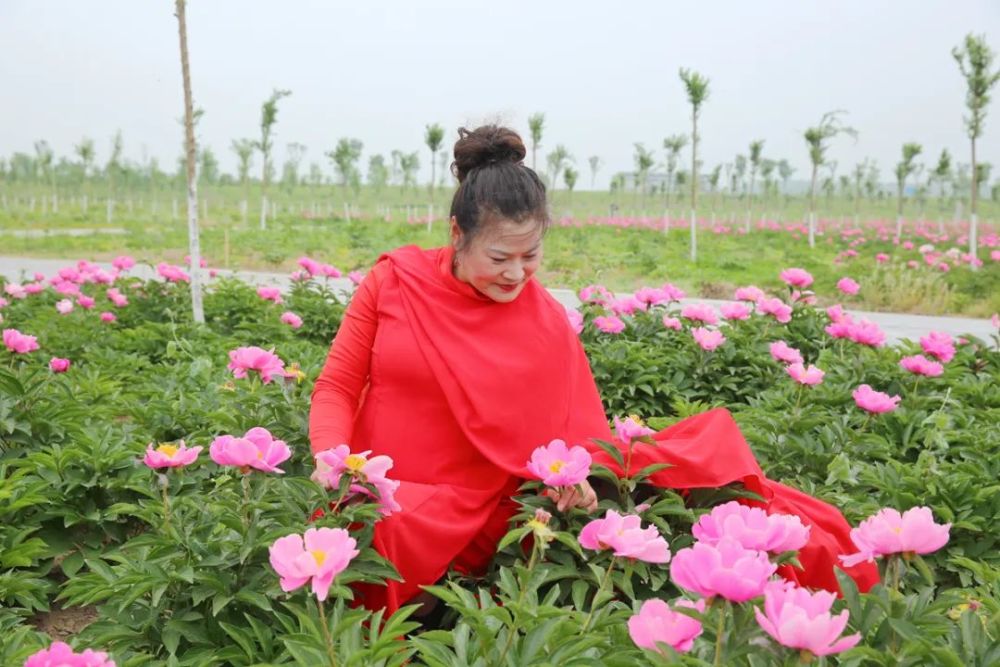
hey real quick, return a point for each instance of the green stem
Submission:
(245, 483)
(166, 504)
(326, 635)
(535, 550)
(719, 628)
(600, 589)
(798, 400)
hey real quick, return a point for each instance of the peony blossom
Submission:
(735, 311)
(330, 271)
(626, 537)
(796, 278)
(866, 332)
(575, 320)
(356, 277)
(116, 297)
(848, 286)
(995, 320)
(19, 343)
(312, 267)
(626, 305)
(64, 306)
(15, 291)
(918, 364)
(59, 365)
(253, 358)
(873, 401)
(836, 313)
(777, 308)
(269, 294)
(938, 344)
(700, 312)
(881, 258)
(257, 449)
(673, 292)
(291, 319)
(803, 375)
(59, 654)
(672, 323)
(799, 619)
(889, 532)
(609, 324)
(123, 262)
(558, 465)
(170, 456)
(725, 568)
(332, 464)
(631, 428)
(749, 293)
(653, 296)
(656, 623)
(595, 294)
(752, 528)
(782, 351)
(108, 316)
(318, 555)
(708, 339)
(85, 301)
(171, 273)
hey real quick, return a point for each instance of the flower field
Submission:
(155, 477)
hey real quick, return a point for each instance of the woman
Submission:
(457, 363)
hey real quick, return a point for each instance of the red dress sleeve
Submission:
(340, 388)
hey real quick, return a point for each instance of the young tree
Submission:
(569, 177)
(536, 124)
(43, 158)
(904, 168)
(713, 185)
(696, 87)
(756, 149)
(344, 157)
(194, 247)
(860, 169)
(975, 62)
(940, 175)
(643, 163)
(556, 161)
(114, 166)
(244, 149)
(409, 164)
(818, 141)
(595, 164)
(673, 144)
(433, 136)
(268, 117)
(767, 167)
(378, 173)
(294, 154)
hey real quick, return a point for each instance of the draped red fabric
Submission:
(461, 389)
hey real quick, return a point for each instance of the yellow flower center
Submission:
(168, 450)
(318, 556)
(355, 463)
(556, 466)
(637, 419)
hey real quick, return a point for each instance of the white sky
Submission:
(605, 74)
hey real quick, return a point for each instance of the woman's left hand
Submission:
(581, 495)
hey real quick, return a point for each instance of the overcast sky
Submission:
(604, 74)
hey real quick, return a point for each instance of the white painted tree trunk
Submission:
(973, 240)
(243, 211)
(430, 217)
(174, 207)
(86, 204)
(263, 212)
(194, 246)
(347, 212)
(55, 203)
(899, 227)
(812, 229)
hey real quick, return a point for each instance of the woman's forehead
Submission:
(508, 235)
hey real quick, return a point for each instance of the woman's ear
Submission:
(456, 232)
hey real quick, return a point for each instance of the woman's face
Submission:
(500, 259)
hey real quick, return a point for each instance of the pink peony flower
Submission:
(653, 296)
(938, 344)
(735, 311)
(291, 319)
(319, 555)
(848, 286)
(631, 428)
(356, 277)
(995, 320)
(15, 291)
(575, 320)
(116, 297)
(595, 294)
(673, 292)
(108, 316)
(64, 306)
(803, 375)
(889, 532)
(873, 401)
(626, 537)
(170, 456)
(330, 271)
(59, 654)
(19, 343)
(672, 323)
(781, 311)
(269, 294)
(796, 278)
(700, 312)
(782, 351)
(708, 339)
(801, 620)
(626, 305)
(609, 324)
(656, 623)
(557, 465)
(749, 293)
(171, 273)
(881, 258)
(257, 449)
(123, 262)
(33, 288)
(841, 329)
(253, 358)
(85, 301)
(836, 313)
(752, 528)
(312, 267)
(724, 568)
(332, 464)
(866, 332)
(59, 365)
(918, 364)
(3, 302)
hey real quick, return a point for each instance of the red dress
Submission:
(459, 390)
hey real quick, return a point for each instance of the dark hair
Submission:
(493, 181)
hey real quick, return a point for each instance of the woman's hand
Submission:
(582, 495)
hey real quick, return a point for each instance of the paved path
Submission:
(897, 326)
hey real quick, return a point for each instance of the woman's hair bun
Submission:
(486, 145)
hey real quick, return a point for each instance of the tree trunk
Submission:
(812, 208)
(194, 247)
(973, 218)
(694, 182)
